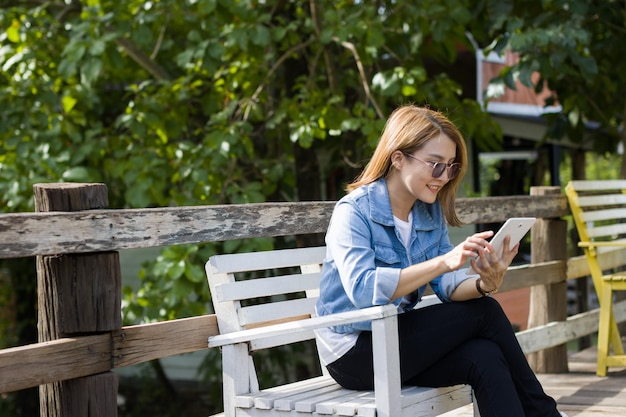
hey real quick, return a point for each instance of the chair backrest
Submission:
(599, 212)
(259, 288)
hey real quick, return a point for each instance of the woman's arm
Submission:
(417, 275)
(491, 269)
(467, 290)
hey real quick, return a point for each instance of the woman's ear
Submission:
(396, 159)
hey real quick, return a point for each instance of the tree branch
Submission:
(249, 102)
(366, 88)
(159, 42)
(329, 63)
(143, 60)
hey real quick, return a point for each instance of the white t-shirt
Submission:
(332, 345)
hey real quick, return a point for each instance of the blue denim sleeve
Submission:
(349, 242)
(448, 282)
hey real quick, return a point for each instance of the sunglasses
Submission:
(439, 167)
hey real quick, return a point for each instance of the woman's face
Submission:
(415, 171)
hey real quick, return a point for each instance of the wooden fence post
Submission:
(77, 295)
(548, 303)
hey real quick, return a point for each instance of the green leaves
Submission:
(399, 81)
(176, 286)
(213, 102)
(575, 49)
(13, 32)
(68, 103)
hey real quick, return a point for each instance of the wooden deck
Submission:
(580, 393)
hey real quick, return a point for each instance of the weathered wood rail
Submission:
(76, 365)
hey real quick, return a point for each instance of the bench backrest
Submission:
(259, 288)
(599, 212)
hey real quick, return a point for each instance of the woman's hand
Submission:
(470, 248)
(492, 266)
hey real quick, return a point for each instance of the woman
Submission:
(387, 240)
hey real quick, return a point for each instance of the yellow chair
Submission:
(599, 212)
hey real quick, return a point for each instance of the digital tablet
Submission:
(516, 227)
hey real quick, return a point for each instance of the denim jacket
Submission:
(365, 254)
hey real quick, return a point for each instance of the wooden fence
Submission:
(81, 339)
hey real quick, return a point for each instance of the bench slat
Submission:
(610, 231)
(607, 214)
(275, 311)
(322, 403)
(443, 403)
(281, 340)
(265, 287)
(309, 403)
(247, 400)
(350, 408)
(289, 403)
(600, 185)
(434, 401)
(601, 200)
(256, 261)
(324, 396)
(409, 395)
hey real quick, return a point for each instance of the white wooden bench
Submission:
(285, 317)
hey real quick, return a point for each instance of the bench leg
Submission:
(235, 375)
(387, 384)
(604, 328)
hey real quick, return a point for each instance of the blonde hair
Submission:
(408, 128)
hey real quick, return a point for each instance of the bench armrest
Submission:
(305, 325)
(614, 243)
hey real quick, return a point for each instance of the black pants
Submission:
(470, 342)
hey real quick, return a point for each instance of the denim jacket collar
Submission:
(380, 208)
(380, 204)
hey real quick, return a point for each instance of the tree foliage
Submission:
(576, 46)
(194, 102)
(204, 101)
